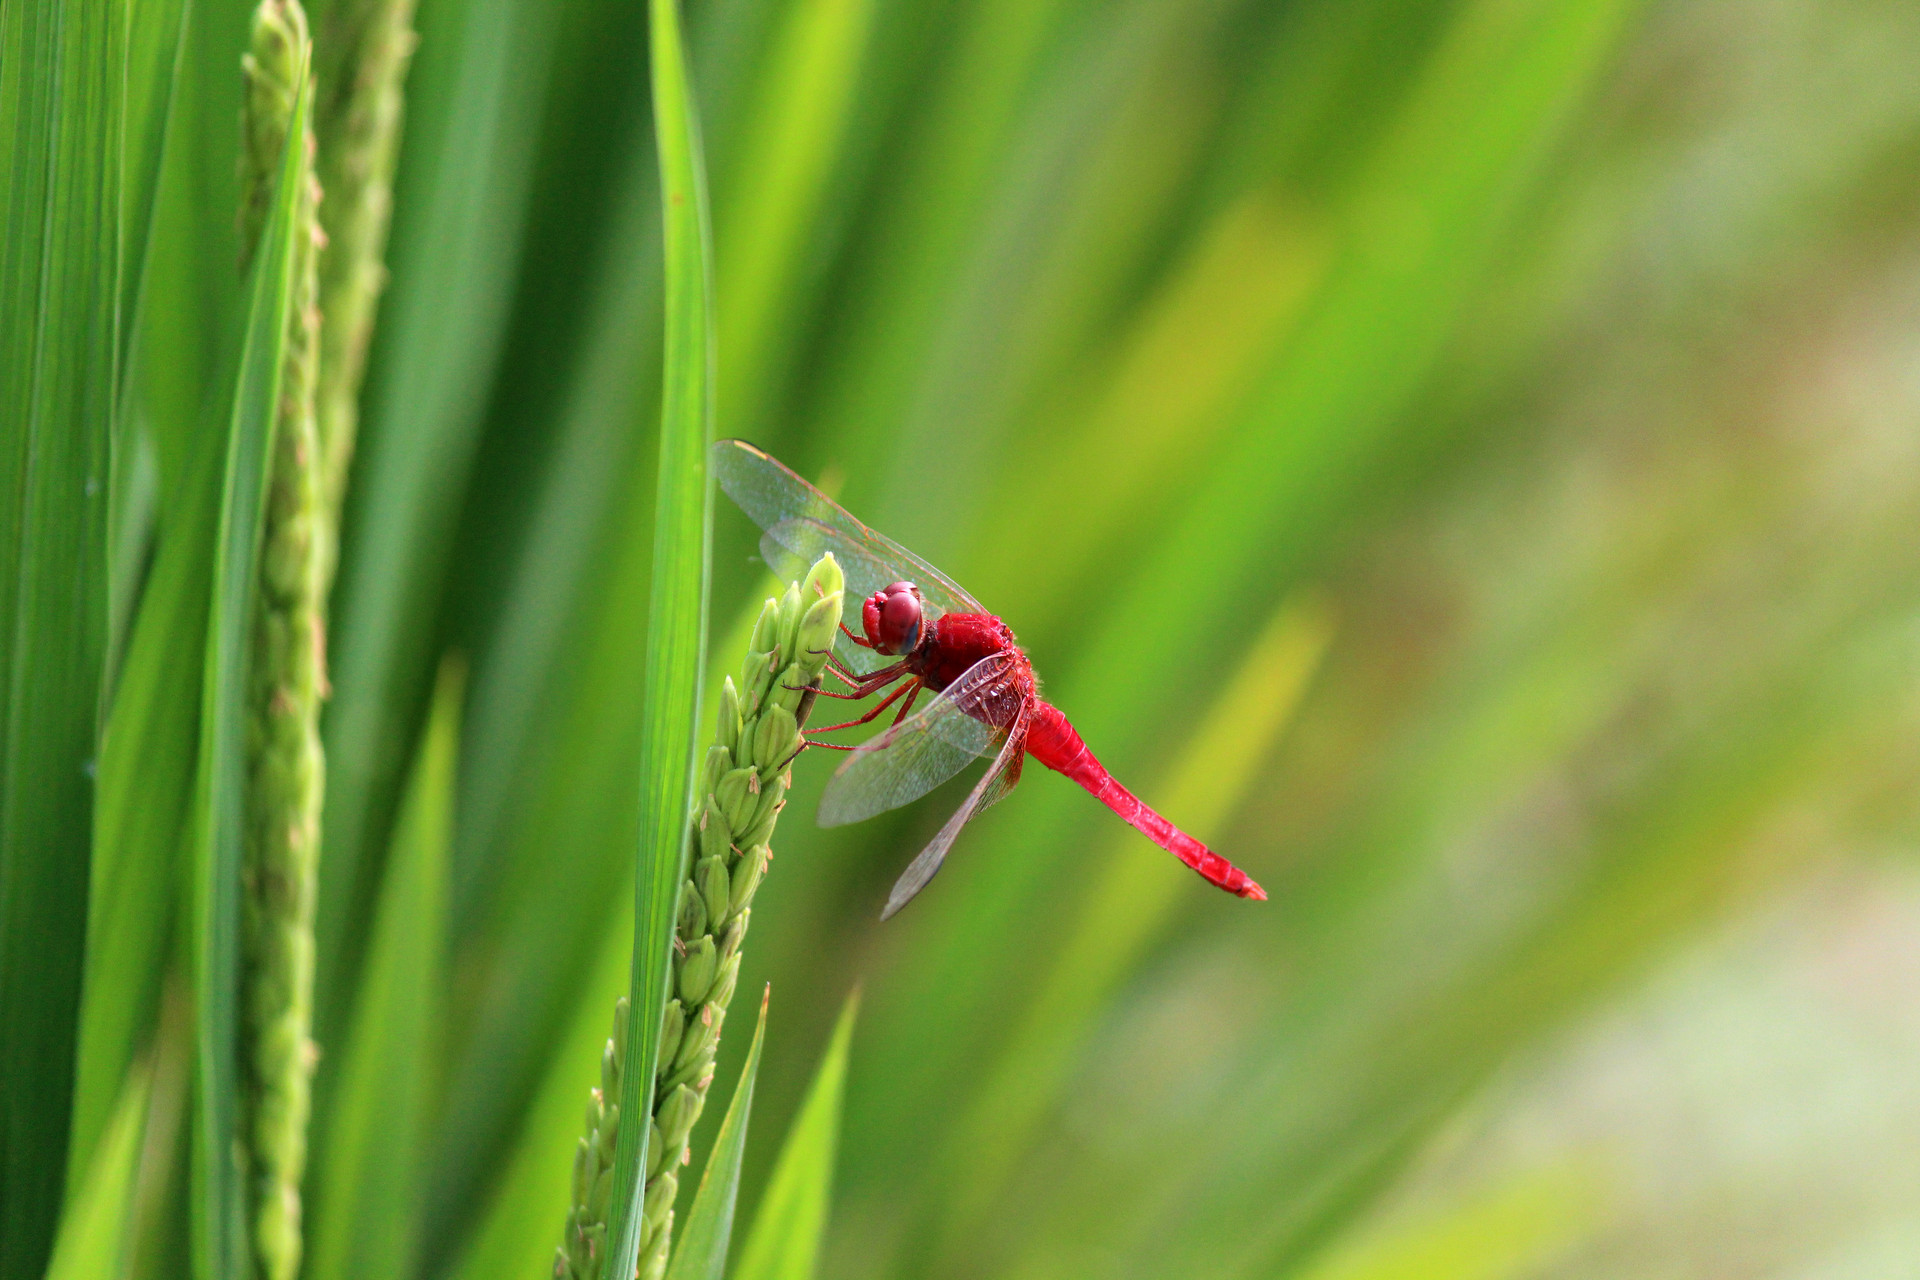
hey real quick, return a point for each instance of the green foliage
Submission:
(219, 1200)
(94, 1226)
(144, 779)
(513, 1233)
(142, 801)
(477, 87)
(676, 645)
(286, 674)
(701, 1253)
(62, 112)
(357, 122)
(742, 789)
(784, 1243)
(1453, 455)
(366, 1219)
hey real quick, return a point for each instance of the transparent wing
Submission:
(994, 783)
(791, 547)
(800, 523)
(922, 751)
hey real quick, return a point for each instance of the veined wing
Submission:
(800, 523)
(995, 783)
(922, 751)
(791, 547)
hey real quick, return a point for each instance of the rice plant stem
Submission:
(363, 48)
(743, 787)
(284, 688)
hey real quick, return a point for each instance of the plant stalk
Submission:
(286, 682)
(363, 49)
(743, 788)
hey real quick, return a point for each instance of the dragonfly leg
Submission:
(868, 685)
(854, 696)
(806, 742)
(840, 670)
(862, 641)
(908, 704)
(911, 686)
(831, 746)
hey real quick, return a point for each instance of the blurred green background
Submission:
(1458, 458)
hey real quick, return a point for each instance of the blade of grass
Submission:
(793, 146)
(61, 103)
(189, 313)
(474, 96)
(569, 446)
(1510, 1230)
(972, 100)
(142, 802)
(791, 1221)
(218, 1197)
(1170, 388)
(675, 654)
(531, 1194)
(702, 1251)
(1077, 156)
(156, 44)
(195, 303)
(143, 795)
(514, 1234)
(158, 1212)
(548, 812)
(146, 737)
(93, 1228)
(368, 1198)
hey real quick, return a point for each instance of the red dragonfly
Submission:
(940, 639)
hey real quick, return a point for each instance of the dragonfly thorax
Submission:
(956, 641)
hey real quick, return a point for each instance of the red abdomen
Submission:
(1054, 742)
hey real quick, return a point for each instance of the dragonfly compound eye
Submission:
(892, 618)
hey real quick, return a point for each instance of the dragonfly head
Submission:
(893, 617)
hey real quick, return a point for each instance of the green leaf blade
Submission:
(704, 1240)
(791, 1221)
(218, 1196)
(142, 804)
(474, 96)
(675, 654)
(512, 1234)
(143, 794)
(62, 102)
(94, 1228)
(365, 1218)
(767, 230)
